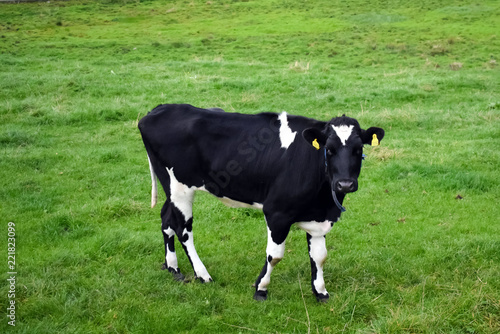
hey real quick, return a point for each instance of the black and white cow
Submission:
(296, 169)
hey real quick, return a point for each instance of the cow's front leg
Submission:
(316, 232)
(275, 250)
(317, 254)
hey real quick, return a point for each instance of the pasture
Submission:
(418, 249)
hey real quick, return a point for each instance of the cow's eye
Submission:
(357, 151)
(330, 151)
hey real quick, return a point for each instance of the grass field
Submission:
(418, 250)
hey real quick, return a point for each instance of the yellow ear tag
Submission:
(315, 144)
(375, 140)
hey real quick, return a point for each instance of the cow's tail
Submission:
(154, 184)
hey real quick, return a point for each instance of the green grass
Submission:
(418, 250)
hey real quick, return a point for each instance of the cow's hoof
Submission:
(176, 274)
(322, 298)
(202, 280)
(179, 277)
(260, 295)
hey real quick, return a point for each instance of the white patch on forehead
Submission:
(287, 136)
(181, 195)
(343, 132)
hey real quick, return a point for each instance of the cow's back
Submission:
(203, 145)
(239, 156)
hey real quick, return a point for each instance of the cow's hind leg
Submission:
(186, 238)
(181, 197)
(169, 239)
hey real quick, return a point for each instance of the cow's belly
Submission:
(233, 203)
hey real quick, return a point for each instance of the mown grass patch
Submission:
(418, 248)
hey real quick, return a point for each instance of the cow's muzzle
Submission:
(346, 186)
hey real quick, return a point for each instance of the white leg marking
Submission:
(318, 254)
(276, 251)
(170, 257)
(181, 195)
(316, 229)
(287, 136)
(198, 266)
(154, 186)
(317, 249)
(343, 132)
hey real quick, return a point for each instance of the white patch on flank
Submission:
(277, 251)
(343, 132)
(316, 229)
(181, 195)
(287, 136)
(198, 266)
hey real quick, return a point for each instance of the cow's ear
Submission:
(314, 137)
(372, 136)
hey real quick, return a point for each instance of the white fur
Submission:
(316, 229)
(318, 255)
(343, 132)
(287, 136)
(170, 257)
(181, 195)
(198, 266)
(317, 251)
(277, 251)
(154, 187)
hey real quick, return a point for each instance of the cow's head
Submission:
(341, 144)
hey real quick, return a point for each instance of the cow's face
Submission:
(341, 144)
